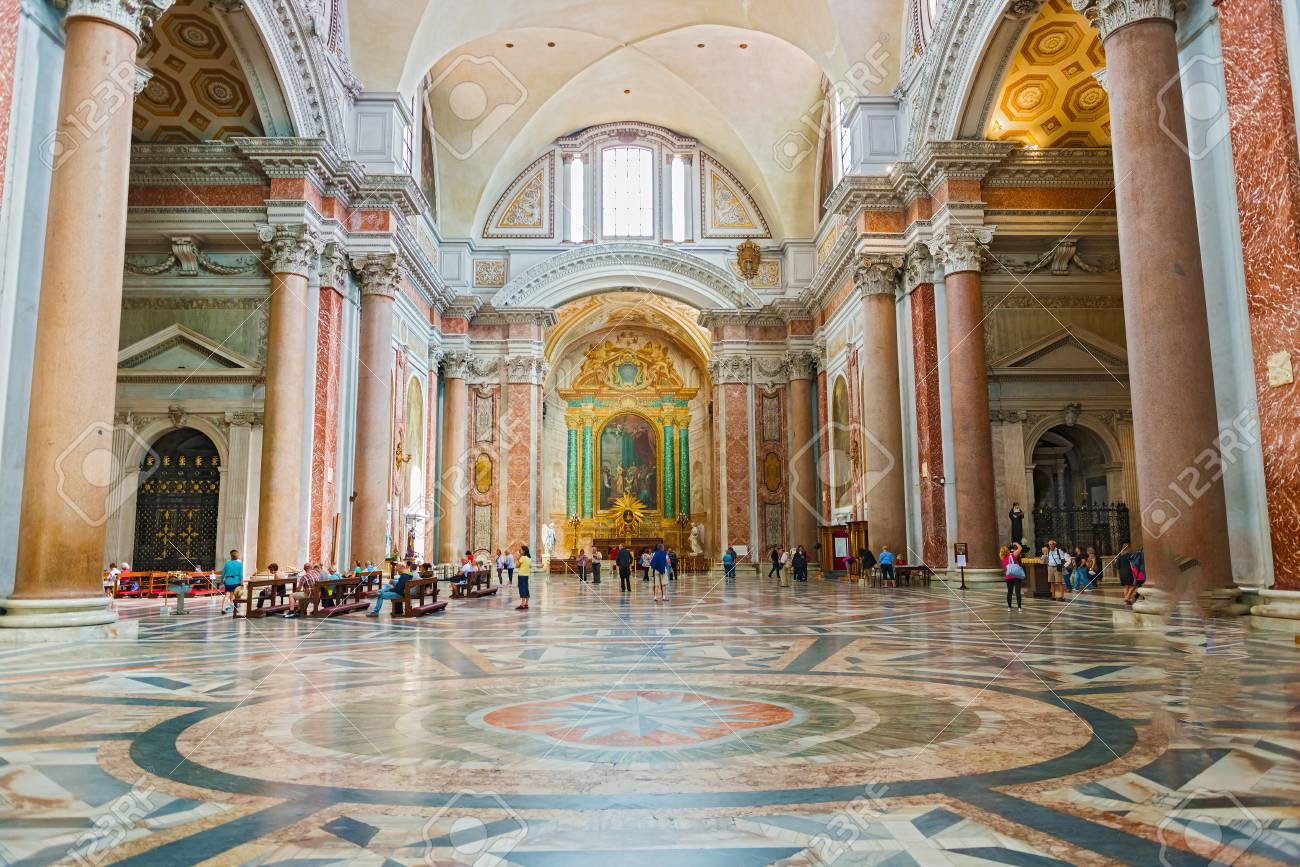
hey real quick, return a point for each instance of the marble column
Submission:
(882, 415)
(522, 433)
(669, 505)
(454, 488)
(290, 252)
(1267, 173)
(919, 283)
(972, 437)
(803, 464)
(325, 413)
(731, 372)
(69, 476)
(571, 472)
(684, 468)
(1175, 424)
(588, 469)
(379, 276)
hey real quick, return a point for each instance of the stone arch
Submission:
(599, 267)
(1065, 418)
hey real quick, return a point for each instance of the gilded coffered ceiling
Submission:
(628, 310)
(1050, 97)
(198, 90)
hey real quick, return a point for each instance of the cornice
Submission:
(543, 317)
(1054, 167)
(463, 307)
(717, 317)
(941, 161)
(863, 193)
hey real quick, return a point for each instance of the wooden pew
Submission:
(412, 603)
(480, 584)
(348, 594)
(253, 586)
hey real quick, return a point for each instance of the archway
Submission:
(1075, 491)
(176, 505)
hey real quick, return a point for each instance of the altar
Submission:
(627, 420)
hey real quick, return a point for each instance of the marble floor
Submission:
(739, 724)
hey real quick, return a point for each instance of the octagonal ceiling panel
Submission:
(1050, 97)
(198, 90)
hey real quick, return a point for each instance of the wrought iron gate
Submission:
(176, 505)
(1104, 528)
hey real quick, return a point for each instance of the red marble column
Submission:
(882, 416)
(430, 492)
(325, 412)
(1175, 423)
(380, 276)
(521, 430)
(972, 437)
(823, 448)
(803, 452)
(1263, 136)
(731, 373)
(453, 489)
(929, 424)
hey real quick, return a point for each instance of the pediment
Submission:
(177, 349)
(1070, 349)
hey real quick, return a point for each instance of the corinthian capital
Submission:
(802, 364)
(133, 16)
(877, 274)
(530, 370)
(378, 273)
(291, 248)
(919, 269)
(1110, 15)
(962, 248)
(455, 365)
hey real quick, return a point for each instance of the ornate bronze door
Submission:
(176, 506)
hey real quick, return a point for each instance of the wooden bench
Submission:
(473, 585)
(254, 586)
(348, 595)
(412, 603)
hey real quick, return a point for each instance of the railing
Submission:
(1105, 528)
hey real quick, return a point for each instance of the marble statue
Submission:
(548, 541)
(696, 540)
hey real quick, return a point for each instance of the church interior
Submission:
(725, 432)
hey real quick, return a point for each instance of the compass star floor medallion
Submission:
(639, 719)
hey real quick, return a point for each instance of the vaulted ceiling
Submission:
(741, 76)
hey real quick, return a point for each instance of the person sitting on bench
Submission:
(304, 592)
(267, 593)
(467, 569)
(393, 590)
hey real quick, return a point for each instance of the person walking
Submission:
(582, 565)
(510, 568)
(1012, 573)
(659, 566)
(595, 565)
(232, 576)
(783, 568)
(729, 564)
(524, 565)
(1093, 563)
(623, 559)
(501, 567)
(645, 565)
(886, 561)
(1056, 560)
(672, 564)
(775, 569)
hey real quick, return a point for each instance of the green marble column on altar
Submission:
(588, 472)
(684, 470)
(670, 473)
(571, 476)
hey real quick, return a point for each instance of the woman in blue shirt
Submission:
(232, 576)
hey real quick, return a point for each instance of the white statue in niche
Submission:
(697, 540)
(548, 541)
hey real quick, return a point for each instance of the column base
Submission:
(86, 618)
(1279, 611)
(1155, 606)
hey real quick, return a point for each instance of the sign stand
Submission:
(959, 557)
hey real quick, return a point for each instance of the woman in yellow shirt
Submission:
(524, 569)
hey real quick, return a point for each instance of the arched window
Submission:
(627, 192)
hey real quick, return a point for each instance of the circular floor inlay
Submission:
(636, 719)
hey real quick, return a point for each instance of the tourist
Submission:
(1017, 516)
(303, 591)
(775, 569)
(659, 566)
(232, 575)
(466, 573)
(501, 567)
(582, 564)
(510, 568)
(525, 567)
(886, 561)
(672, 564)
(729, 564)
(783, 570)
(800, 564)
(623, 560)
(867, 561)
(268, 594)
(1137, 564)
(1080, 561)
(393, 590)
(1056, 560)
(1012, 573)
(1093, 563)
(595, 565)
(645, 564)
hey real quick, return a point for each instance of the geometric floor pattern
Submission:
(739, 724)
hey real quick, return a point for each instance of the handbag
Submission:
(1015, 570)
